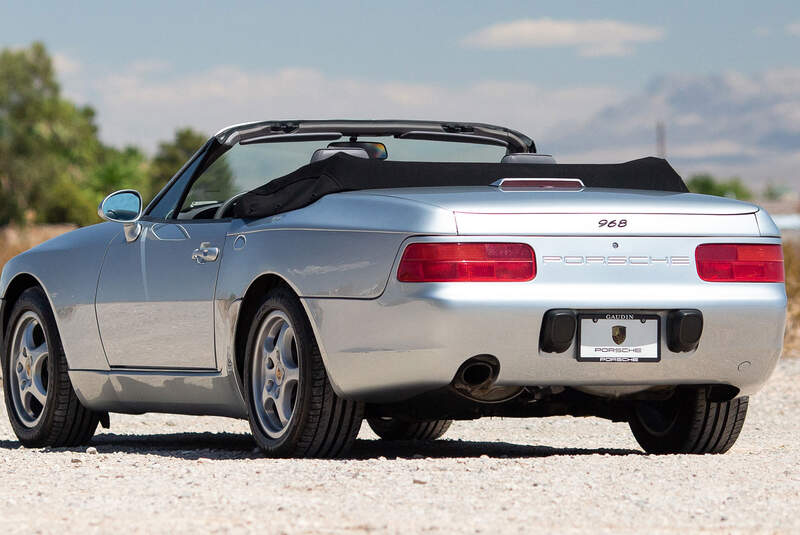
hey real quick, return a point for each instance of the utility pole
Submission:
(661, 139)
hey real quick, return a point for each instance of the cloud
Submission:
(762, 31)
(590, 37)
(143, 107)
(66, 65)
(729, 124)
(793, 28)
(149, 66)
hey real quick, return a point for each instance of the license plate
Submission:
(619, 337)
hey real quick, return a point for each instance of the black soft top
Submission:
(342, 172)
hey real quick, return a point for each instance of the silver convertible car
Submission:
(308, 275)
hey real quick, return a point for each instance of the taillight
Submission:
(467, 262)
(727, 262)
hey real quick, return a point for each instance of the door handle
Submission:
(205, 253)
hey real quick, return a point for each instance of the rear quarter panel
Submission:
(342, 246)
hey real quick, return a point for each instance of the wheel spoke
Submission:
(38, 356)
(291, 374)
(283, 404)
(37, 390)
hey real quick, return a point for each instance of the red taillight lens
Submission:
(726, 262)
(467, 262)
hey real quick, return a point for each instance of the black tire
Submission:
(688, 422)
(61, 420)
(397, 429)
(322, 424)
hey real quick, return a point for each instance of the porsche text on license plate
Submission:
(619, 337)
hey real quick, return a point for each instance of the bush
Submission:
(791, 254)
(708, 185)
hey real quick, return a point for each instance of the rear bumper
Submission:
(415, 336)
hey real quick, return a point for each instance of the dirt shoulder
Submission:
(163, 473)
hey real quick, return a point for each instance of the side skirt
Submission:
(207, 393)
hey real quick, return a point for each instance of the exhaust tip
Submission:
(476, 374)
(476, 377)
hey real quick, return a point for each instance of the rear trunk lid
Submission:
(587, 212)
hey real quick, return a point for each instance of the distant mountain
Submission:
(729, 124)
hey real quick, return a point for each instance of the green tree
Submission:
(708, 185)
(121, 169)
(53, 167)
(217, 180)
(774, 193)
(48, 145)
(171, 156)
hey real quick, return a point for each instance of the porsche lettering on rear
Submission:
(617, 260)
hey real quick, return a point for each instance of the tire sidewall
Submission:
(282, 301)
(33, 300)
(681, 434)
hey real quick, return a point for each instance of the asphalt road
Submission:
(163, 473)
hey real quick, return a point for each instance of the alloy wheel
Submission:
(275, 377)
(29, 371)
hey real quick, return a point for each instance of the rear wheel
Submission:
(688, 422)
(389, 428)
(293, 409)
(41, 403)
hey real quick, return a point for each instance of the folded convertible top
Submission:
(342, 172)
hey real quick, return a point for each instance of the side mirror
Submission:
(124, 206)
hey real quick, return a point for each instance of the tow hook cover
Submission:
(684, 329)
(558, 330)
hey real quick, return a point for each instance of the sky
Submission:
(587, 80)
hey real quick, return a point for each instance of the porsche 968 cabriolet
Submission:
(309, 275)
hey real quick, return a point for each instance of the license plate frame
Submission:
(616, 351)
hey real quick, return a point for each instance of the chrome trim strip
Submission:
(242, 232)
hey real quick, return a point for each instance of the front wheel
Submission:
(293, 410)
(41, 403)
(688, 422)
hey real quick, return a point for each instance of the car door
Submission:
(155, 293)
(155, 296)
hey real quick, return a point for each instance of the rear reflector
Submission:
(467, 262)
(726, 262)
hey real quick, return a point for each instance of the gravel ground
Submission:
(162, 473)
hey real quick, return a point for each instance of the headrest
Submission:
(527, 157)
(321, 154)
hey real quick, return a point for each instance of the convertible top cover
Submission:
(342, 172)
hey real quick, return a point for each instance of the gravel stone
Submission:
(167, 474)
